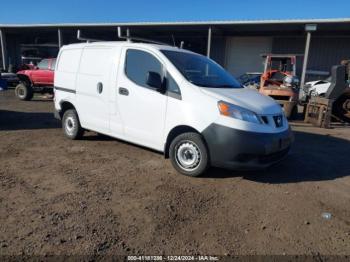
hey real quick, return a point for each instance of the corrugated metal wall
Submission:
(324, 51)
(217, 51)
(243, 54)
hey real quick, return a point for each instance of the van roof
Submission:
(125, 43)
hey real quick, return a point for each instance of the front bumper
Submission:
(237, 149)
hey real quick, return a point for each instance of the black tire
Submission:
(341, 107)
(189, 147)
(71, 125)
(24, 92)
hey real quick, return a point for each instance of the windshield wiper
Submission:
(224, 86)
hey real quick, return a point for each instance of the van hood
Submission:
(246, 98)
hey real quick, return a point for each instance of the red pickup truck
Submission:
(38, 79)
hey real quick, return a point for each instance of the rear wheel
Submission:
(341, 107)
(189, 155)
(71, 125)
(24, 92)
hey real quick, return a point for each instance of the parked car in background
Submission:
(3, 83)
(38, 79)
(171, 100)
(11, 78)
(317, 88)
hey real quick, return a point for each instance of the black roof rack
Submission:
(130, 38)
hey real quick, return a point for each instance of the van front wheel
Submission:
(189, 155)
(71, 125)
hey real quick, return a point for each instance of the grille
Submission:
(265, 119)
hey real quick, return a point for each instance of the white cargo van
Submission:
(171, 100)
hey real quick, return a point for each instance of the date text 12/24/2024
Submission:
(173, 258)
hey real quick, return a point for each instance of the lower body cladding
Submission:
(237, 149)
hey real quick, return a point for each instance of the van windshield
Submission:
(201, 71)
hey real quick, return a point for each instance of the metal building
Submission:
(237, 45)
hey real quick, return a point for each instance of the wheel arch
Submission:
(24, 78)
(174, 132)
(66, 105)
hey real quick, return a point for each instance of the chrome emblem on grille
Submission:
(279, 120)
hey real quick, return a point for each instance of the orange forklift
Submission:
(280, 82)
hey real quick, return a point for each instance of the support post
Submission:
(209, 42)
(306, 56)
(3, 49)
(308, 28)
(60, 37)
(128, 35)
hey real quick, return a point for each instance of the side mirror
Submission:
(154, 80)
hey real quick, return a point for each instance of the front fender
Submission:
(24, 78)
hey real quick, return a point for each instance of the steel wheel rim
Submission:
(346, 107)
(70, 125)
(188, 155)
(21, 92)
(341, 108)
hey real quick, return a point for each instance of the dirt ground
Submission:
(103, 196)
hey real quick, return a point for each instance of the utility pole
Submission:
(308, 28)
(3, 49)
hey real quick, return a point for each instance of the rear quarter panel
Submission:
(65, 75)
(67, 67)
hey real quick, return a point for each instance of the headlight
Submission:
(238, 112)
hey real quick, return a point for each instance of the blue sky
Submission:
(61, 11)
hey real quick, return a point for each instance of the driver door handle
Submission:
(123, 91)
(99, 87)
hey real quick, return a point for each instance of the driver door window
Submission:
(53, 64)
(137, 65)
(44, 64)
